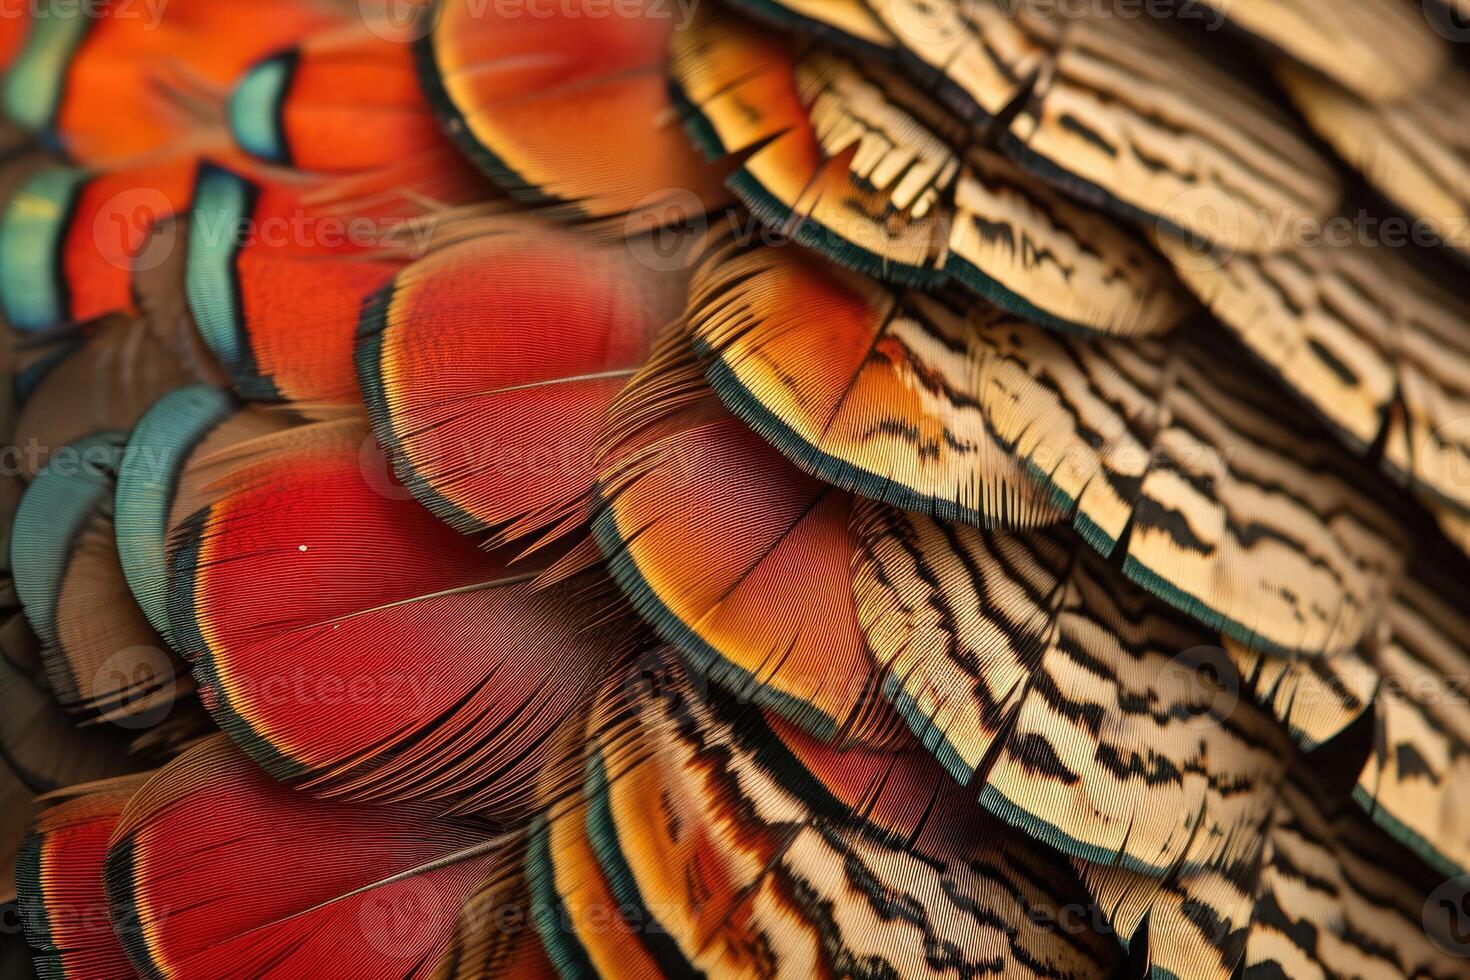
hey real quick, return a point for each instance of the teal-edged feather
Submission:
(255, 108)
(558, 939)
(34, 86)
(147, 479)
(219, 218)
(602, 835)
(57, 505)
(33, 291)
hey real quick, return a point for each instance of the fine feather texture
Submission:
(60, 874)
(844, 189)
(1411, 782)
(489, 366)
(1017, 654)
(100, 653)
(853, 160)
(1121, 112)
(889, 410)
(311, 880)
(568, 109)
(378, 656)
(1372, 343)
(730, 552)
(727, 856)
(1157, 449)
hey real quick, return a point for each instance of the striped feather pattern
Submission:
(857, 162)
(824, 157)
(611, 590)
(1194, 921)
(1133, 121)
(1033, 252)
(1324, 319)
(1251, 522)
(1092, 715)
(1374, 345)
(1416, 781)
(871, 389)
(1433, 356)
(977, 54)
(1406, 682)
(698, 826)
(1316, 698)
(1337, 900)
(900, 144)
(513, 946)
(1121, 112)
(1314, 890)
(1414, 150)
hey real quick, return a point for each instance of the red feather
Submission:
(218, 871)
(59, 875)
(489, 367)
(346, 637)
